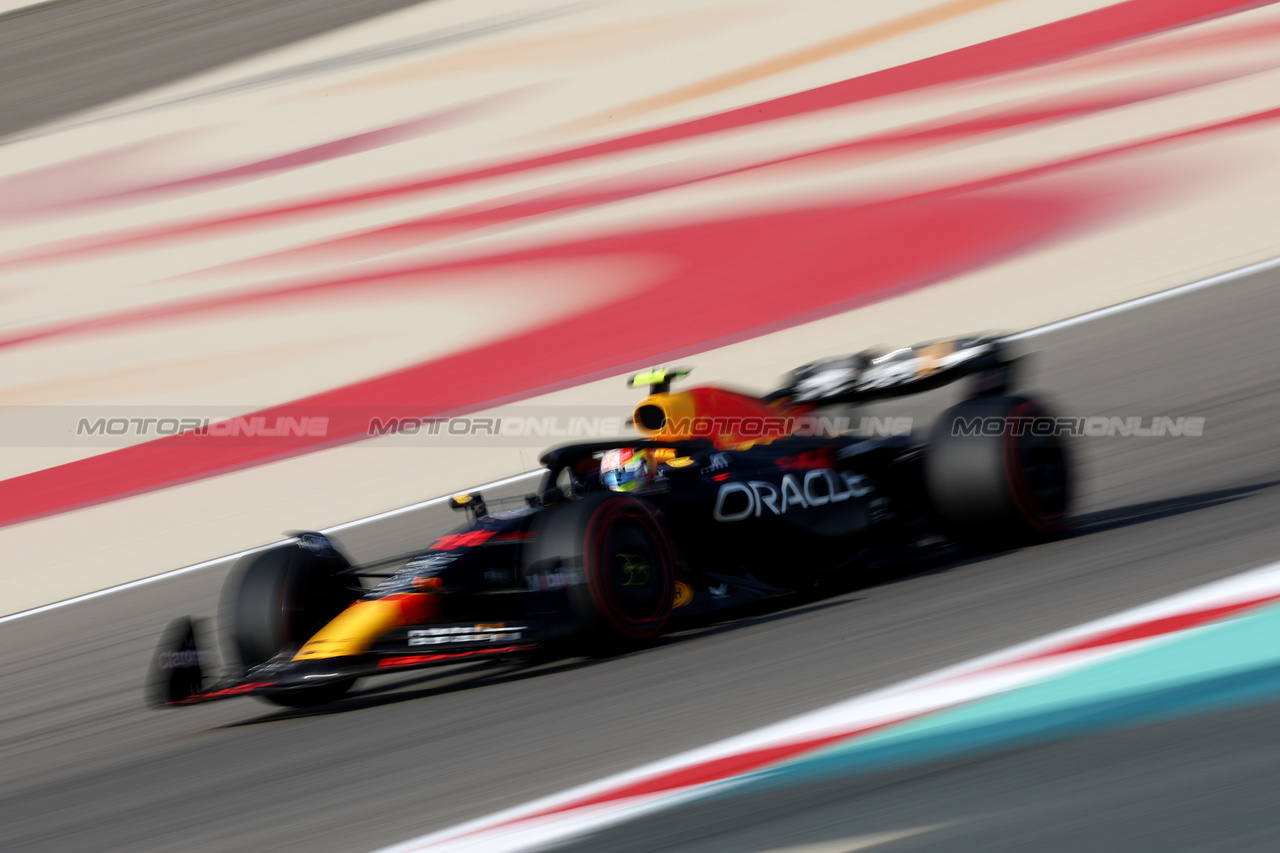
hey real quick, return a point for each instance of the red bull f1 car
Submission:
(721, 499)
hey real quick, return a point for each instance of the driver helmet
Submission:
(625, 469)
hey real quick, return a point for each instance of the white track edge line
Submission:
(1149, 299)
(1088, 316)
(45, 608)
(8, 7)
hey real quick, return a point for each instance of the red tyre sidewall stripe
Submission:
(605, 601)
(1023, 500)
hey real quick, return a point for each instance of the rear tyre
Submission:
(619, 561)
(1000, 488)
(278, 599)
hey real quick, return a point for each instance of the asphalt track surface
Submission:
(1206, 784)
(70, 55)
(87, 767)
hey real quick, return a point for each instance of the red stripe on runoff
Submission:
(103, 177)
(419, 231)
(345, 147)
(51, 187)
(734, 278)
(1038, 46)
(737, 279)
(1186, 47)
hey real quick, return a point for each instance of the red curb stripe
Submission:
(705, 773)
(1154, 628)
(720, 769)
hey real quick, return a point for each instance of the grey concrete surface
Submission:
(84, 766)
(70, 55)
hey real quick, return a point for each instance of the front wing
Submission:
(178, 675)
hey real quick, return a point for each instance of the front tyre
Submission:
(278, 599)
(997, 473)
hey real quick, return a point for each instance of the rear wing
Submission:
(869, 376)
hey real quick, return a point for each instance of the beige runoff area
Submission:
(1219, 219)
(15, 5)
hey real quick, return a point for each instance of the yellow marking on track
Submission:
(787, 62)
(584, 46)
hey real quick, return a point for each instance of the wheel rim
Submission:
(633, 571)
(631, 581)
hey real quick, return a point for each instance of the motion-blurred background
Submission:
(325, 209)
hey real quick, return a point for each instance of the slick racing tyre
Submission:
(278, 599)
(619, 565)
(997, 473)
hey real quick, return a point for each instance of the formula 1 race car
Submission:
(735, 499)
